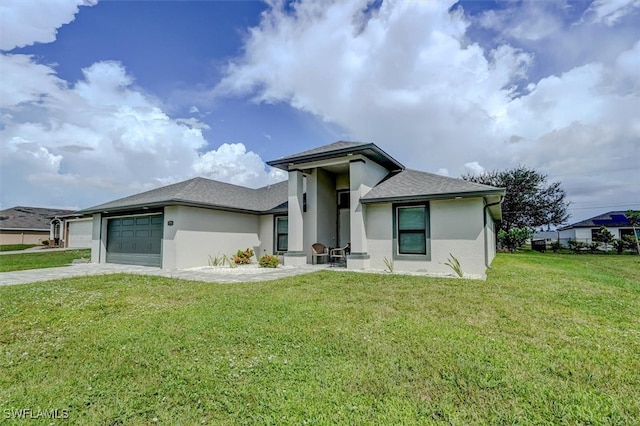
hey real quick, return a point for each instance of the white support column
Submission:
(295, 254)
(359, 258)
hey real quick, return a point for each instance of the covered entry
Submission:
(135, 240)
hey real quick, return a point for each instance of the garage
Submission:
(135, 240)
(79, 233)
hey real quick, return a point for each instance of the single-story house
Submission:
(71, 230)
(585, 231)
(27, 225)
(344, 193)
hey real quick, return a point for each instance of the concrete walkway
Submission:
(218, 275)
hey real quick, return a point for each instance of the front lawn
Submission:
(15, 247)
(548, 339)
(41, 259)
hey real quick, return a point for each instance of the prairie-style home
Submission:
(349, 195)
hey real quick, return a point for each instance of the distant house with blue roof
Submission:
(616, 222)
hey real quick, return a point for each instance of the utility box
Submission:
(539, 245)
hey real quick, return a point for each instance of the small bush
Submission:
(268, 261)
(45, 242)
(243, 257)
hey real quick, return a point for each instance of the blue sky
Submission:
(102, 99)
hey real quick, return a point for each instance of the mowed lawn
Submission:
(547, 339)
(41, 259)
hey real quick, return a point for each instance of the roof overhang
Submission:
(444, 196)
(149, 206)
(368, 150)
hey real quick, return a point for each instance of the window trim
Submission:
(277, 234)
(396, 232)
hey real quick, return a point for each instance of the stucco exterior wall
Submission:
(490, 231)
(98, 239)
(266, 235)
(198, 233)
(23, 237)
(457, 228)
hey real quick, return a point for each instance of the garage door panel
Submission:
(135, 240)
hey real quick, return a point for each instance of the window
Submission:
(411, 230)
(282, 234)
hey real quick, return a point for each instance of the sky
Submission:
(104, 99)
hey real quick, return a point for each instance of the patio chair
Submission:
(339, 254)
(318, 250)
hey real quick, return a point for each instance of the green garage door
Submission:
(135, 240)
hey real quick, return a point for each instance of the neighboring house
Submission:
(343, 193)
(27, 225)
(585, 231)
(71, 230)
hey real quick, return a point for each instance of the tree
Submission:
(633, 216)
(604, 236)
(530, 200)
(514, 238)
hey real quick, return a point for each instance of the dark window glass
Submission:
(412, 227)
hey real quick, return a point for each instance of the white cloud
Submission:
(411, 80)
(75, 144)
(232, 163)
(102, 133)
(610, 12)
(27, 22)
(474, 168)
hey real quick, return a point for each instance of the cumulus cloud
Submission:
(61, 140)
(27, 22)
(232, 163)
(409, 77)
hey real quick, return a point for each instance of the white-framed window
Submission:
(281, 234)
(412, 230)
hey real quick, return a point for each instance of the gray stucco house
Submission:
(343, 193)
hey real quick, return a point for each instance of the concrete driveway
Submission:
(218, 275)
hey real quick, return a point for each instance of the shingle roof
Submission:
(337, 150)
(340, 145)
(413, 184)
(29, 218)
(203, 192)
(609, 219)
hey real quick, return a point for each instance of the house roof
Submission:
(29, 218)
(337, 150)
(610, 219)
(201, 192)
(416, 185)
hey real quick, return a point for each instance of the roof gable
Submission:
(337, 150)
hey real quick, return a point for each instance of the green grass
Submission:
(548, 339)
(15, 247)
(41, 259)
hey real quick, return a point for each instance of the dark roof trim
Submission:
(173, 202)
(369, 150)
(427, 197)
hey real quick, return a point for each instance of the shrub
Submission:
(243, 257)
(514, 238)
(556, 246)
(269, 261)
(45, 242)
(576, 246)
